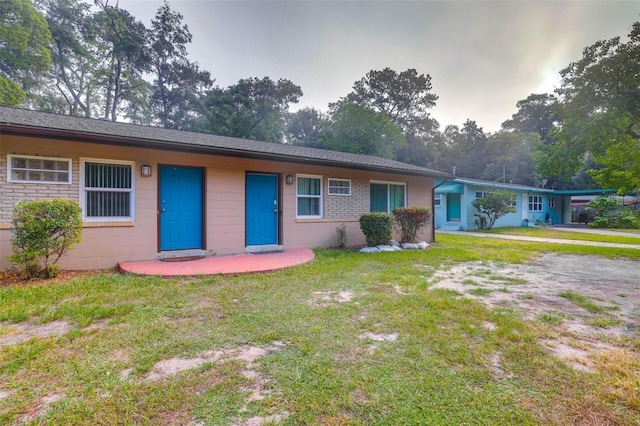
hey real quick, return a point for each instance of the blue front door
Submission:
(453, 207)
(262, 209)
(180, 208)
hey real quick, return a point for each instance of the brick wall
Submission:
(12, 192)
(343, 206)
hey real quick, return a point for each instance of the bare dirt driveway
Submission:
(592, 303)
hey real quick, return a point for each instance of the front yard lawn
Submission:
(350, 339)
(544, 232)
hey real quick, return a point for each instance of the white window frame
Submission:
(482, 195)
(552, 202)
(131, 191)
(535, 203)
(330, 187)
(437, 200)
(10, 169)
(320, 207)
(404, 184)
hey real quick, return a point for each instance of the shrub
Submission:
(43, 231)
(341, 237)
(409, 220)
(606, 212)
(494, 205)
(376, 228)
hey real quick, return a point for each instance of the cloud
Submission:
(483, 56)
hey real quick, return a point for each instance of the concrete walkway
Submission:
(238, 264)
(552, 240)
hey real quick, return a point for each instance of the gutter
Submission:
(433, 208)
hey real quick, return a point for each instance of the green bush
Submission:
(409, 220)
(43, 231)
(495, 204)
(376, 228)
(606, 212)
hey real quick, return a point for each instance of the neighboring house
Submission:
(454, 209)
(149, 192)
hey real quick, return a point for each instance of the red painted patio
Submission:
(238, 264)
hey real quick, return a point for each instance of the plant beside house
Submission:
(341, 237)
(44, 230)
(409, 220)
(493, 206)
(377, 228)
(607, 212)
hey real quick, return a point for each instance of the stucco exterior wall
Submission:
(104, 244)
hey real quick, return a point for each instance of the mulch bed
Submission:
(14, 277)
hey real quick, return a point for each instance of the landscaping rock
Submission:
(394, 243)
(369, 250)
(396, 248)
(409, 246)
(384, 248)
(423, 245)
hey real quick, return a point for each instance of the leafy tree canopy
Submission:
(24, 49)
(178, 83)
(509, 156)
(464, 149)
(361, 130)
(305, 127)
(600, 96)
(536, 114)
(404, 97)
(253, 109)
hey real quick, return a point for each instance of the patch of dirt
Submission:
(496, 368)
(322, 299)
(20, 332)
(122, 355)
(14, 277)
(248, 354)
(41, 407)
(259, 421)
(257, 391)
(379, 337)
(610, 285)
(16, 333)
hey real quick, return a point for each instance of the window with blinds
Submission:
(309, 196)
(384, 197)
(108, 190)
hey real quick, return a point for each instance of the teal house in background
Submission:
(454, 211)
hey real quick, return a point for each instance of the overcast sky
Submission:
(482, 56)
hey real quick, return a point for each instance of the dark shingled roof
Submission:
(36, 123)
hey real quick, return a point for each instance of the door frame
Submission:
(203, 193)
(279, 204)
(459, 207)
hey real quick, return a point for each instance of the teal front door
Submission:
(453, 207)
(262, 209)
(180, 208)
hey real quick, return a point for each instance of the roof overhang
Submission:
(119, 140)
(450, 188)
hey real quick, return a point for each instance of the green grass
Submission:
(604, 322)
(586, 303)
(551, 317)
(436, 372)
(480, 291)
(559, 233)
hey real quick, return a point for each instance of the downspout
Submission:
(433, 209)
